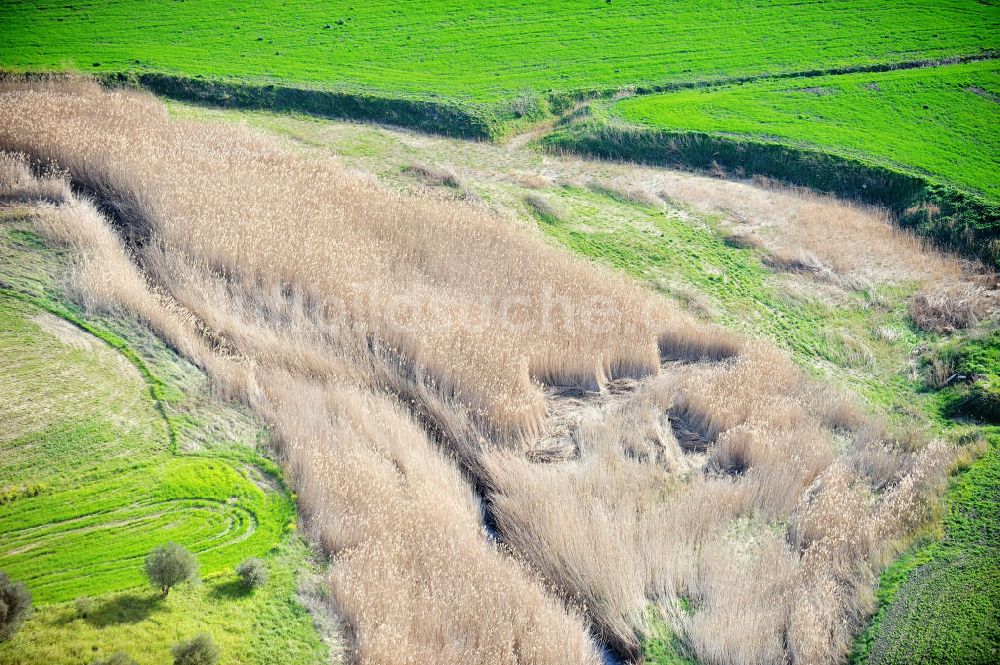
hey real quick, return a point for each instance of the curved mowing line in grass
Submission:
(94, 539)
(89, 535)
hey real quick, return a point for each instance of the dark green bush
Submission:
(15, 606)
(199, 651)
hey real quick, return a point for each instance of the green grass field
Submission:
(110, 495)
(492, 50)
(940, 603)
(937, 121)
(101, 460)
(266, 627)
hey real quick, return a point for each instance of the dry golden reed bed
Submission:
(397, 348)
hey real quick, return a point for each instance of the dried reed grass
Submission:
(280, 277)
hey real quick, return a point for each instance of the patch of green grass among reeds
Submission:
(938, 121)
(268, 626)
(92, 539)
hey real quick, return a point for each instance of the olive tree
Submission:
(169, 565)
(15, 606)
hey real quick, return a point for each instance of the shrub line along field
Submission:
(921, 142)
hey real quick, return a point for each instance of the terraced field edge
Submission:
(562, 101)
(480, 122)
(955, 219)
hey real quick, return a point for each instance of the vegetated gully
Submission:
(565, 405)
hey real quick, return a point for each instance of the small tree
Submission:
(117, 658)
(253, 573)
(199, 651)
(169, 565)
(15, 606)
(84, 606)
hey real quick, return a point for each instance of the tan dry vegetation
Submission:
(417, 274)
(414, 576)
(948, 307)
(280, 276)
(753, 541)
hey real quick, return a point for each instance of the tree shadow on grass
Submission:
(124, 609)
(229, 590)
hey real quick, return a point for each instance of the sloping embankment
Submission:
(450, 119)
(955, 219)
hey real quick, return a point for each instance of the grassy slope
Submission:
(91, 482)
(940, 603)
(490, 50)
(940, 120)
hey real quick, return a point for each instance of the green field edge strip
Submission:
(481, 121)
(565, 100)
(954, 219)
(157, 388)
(155, 384)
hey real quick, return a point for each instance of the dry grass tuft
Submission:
(949, 307)
(626, 192)
(545, 208)
(435, 176)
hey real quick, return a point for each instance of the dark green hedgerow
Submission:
(952, 218)
(450, 119)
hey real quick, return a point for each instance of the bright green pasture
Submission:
(938, 121)
(487, 50)
(94, 475)
(90, 483)
(265, 627)
(93, 539)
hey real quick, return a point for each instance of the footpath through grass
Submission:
(511, 57)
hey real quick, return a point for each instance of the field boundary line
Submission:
(880, 67)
